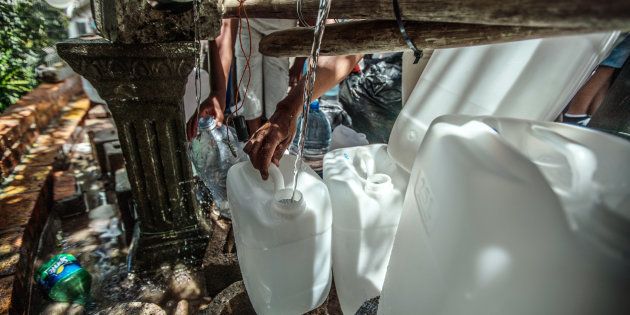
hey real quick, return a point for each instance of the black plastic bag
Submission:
(335, 113)
(373, 98)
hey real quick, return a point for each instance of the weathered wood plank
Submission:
(383, 36)
(608, 14)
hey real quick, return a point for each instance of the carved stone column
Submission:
(143, 85)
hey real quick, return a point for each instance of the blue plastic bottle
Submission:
(318, 133)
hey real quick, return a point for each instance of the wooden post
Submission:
(383, 36)
(608, 14)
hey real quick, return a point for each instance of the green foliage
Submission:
(26, 26)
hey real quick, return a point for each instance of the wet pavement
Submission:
(96, 237)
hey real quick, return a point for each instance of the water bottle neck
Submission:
(207, 123)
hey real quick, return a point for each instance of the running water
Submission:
(196, 8)
(322, 15)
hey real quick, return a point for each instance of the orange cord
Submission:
(247, 67)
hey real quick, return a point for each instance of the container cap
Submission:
(207, 123)
(315, 104)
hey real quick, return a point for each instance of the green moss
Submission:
(27, 27)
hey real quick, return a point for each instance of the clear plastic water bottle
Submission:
(318, 133)
(213, 152)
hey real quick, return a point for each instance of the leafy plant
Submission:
(26, 27)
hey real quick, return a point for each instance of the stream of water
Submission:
(322, 15)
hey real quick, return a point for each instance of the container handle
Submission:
(276, 177)
(582, 161)
(364, 162)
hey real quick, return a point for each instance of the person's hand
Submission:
(213, 106)
(268, 143)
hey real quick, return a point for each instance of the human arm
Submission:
(221, 52)
(295, 72)
(269, 142)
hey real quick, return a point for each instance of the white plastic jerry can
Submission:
(366, 189)
(283, 244)
(531, 79)
(506, 216)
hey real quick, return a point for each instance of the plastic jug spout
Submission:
(287, 205)
(378, 184)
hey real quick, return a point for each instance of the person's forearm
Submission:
(330, 71)
(299, 62)
(221, 55)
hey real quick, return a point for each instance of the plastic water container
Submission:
(284, 247)
(507, 216)
(212, 153)
(345, 137)
(318, 133)
(533, 79)
(366, 190)
(529, 79)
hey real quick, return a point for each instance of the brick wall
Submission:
(31, 133)
(21, 123)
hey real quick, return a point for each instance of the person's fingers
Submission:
(188, 131)
(267, 152)
(255, 138)
(218, 117)
(248, 147)
(218, 114)
(264, 173)
(261, 149)
(254, 153)
(277, 154)
(191, 127)
(192, 130)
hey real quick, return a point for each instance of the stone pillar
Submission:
(143, 85)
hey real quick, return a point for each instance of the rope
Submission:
(197, 61)
(247, 67)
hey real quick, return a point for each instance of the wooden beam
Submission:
(608, 14)
(384, 36)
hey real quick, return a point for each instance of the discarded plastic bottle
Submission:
(213, 152)
(64, 280)
(318, 133)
